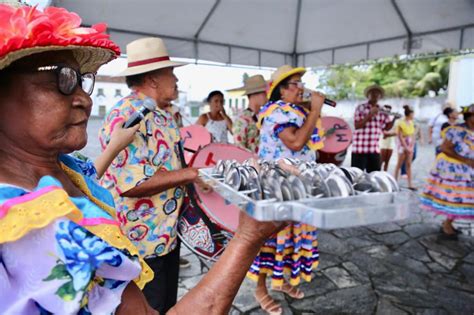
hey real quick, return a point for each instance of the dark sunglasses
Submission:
(68, 79)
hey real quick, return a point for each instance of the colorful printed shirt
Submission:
(366, 140)
(245, 130)
(61, 254)
(273, 120)
(149, 222)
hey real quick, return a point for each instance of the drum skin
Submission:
(336, 143)
(194, 137)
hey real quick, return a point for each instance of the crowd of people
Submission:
(102, 237)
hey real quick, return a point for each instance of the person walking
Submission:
(449, 190)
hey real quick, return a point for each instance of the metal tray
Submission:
(324, 213)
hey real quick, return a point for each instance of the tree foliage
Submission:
(399, 77)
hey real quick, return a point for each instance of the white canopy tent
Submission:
(270, 33)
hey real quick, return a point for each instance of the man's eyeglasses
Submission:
(298, 84)
(68, 79)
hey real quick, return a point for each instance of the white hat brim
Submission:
(150, 67)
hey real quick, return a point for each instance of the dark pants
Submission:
(162, 292)
(366, 161)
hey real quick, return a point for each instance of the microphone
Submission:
(148, 106)
(307, 98)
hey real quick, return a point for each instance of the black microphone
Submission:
(329, 102)
(307, 97)
(148, 106)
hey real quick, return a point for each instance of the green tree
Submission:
(245, 76)
(399, 77)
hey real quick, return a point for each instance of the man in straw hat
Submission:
(246, 133)
(147, 179)
(369, 123)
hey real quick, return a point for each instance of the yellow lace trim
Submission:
(110, 233)
(27, 216)
(80, 183)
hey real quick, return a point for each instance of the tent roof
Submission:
(274, 32)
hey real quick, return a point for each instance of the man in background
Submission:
(369, 123)
(245, 131)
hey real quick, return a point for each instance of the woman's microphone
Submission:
(307, 98)
(149, 105)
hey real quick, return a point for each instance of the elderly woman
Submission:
(61, 249)
(450, 188)
(287, 130)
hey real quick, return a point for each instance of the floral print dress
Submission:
(294, 250)
(273, 119)
(450, 188)
(61, 254)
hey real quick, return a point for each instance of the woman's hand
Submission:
(289, 168)
(134, 302)
(256, 232)
(317, 101)
(121, 137)
(470, 162)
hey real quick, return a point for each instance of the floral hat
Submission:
(25, 31)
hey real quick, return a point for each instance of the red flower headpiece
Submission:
(26, 30)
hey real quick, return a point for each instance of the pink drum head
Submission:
(224, 214)
(194, 137)
(338, 141)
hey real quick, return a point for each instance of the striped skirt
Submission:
(293, 252)
(450, 189)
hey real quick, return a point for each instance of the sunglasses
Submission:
(68, 79)
(298, 84)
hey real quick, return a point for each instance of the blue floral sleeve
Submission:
(86, 165)
(451, 134)
(282, 120)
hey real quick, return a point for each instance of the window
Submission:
(230, 103)
(244, 101)
(118, 93)
(100, 92)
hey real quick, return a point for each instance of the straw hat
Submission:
(55, 29)
(147, 54)
(281, 74)
(253, 84)
(469, 109)
(374, 87)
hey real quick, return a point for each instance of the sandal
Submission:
(290, 290)
(269, 305)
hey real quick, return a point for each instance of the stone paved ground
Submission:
(392, 268)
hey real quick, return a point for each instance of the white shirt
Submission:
(436, 124)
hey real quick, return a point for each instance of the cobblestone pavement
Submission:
(392, 268)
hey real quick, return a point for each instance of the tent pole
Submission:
(208, 16)
(295, 38)
(405, 25)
